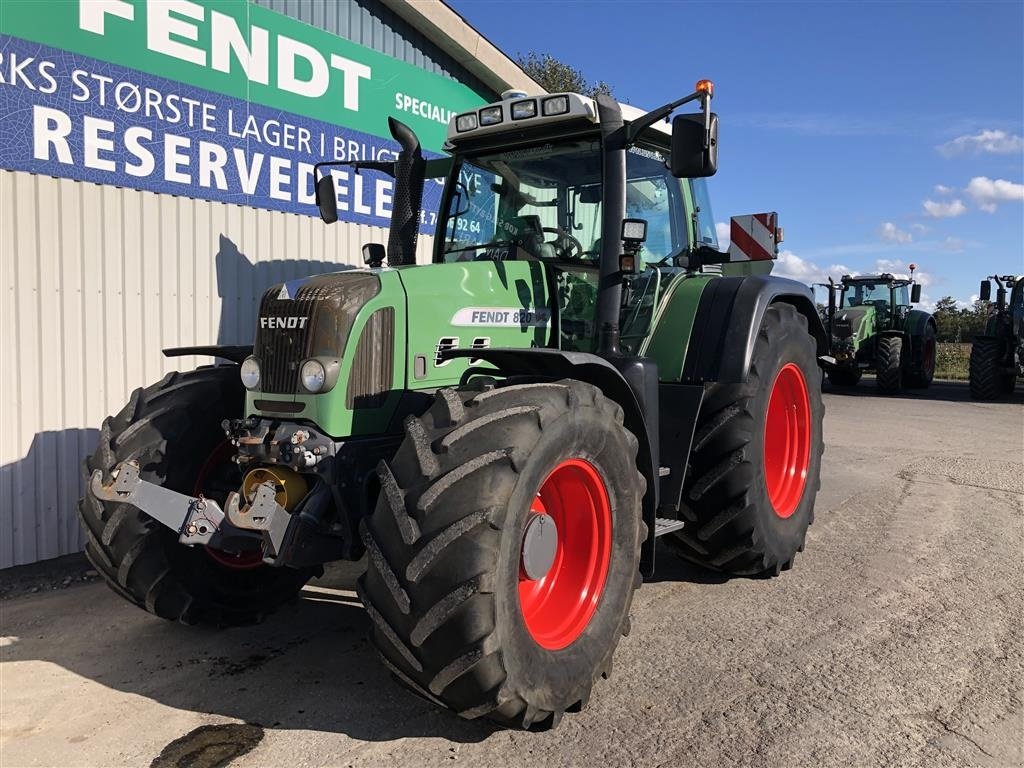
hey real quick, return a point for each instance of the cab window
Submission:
(706, 230)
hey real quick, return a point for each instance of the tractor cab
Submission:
(889, 297)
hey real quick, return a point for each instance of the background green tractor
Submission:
(504, 433)
(873, 327)
(997, 356)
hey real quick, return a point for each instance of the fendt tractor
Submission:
(503, 433)
(873, 326)
(997, 356)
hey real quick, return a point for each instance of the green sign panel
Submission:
(248, 52)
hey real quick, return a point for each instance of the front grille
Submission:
(309, 320)
(281, 350)
(373, 366)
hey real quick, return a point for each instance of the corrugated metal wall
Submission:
(96, 281)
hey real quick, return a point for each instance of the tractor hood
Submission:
(352, 323)
(380, 332)
(853, 322)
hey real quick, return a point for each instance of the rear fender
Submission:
(729, 318)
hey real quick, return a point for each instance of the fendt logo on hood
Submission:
(289, 323)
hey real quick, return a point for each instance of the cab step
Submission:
(663, 525)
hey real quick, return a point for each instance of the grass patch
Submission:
(952, 361)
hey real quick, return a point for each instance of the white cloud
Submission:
(953, 244)
(919, 228)
(942, 189)
(901, 268)
(792, 266)
(986, 141)
(722, 229)
(944, 210)
(890, 233)
(988, 193)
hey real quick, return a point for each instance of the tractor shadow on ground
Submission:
(945, 391)
(309, 666)
(668, 566)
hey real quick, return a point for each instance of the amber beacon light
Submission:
(705, 86)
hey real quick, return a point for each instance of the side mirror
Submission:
(915, 293)
(985, 293)
(373, 255)
(327, 199)
(690, 158)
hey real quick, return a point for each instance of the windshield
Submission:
(544, 202)
(859, 294)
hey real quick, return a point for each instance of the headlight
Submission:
(524, 109)
(557, 105)
(250, 372)
(465, 122)
(490, 115)
(313, 376)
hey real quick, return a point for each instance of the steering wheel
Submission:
(575, 248)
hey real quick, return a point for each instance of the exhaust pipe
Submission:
(410, 168)
(613, 181)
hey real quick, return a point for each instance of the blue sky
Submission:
(883, 133)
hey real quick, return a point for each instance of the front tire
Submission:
(986, 380)
(756, 457)
(457, 615)
(173, 430)
(888, 365)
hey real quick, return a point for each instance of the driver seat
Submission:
(528, 233)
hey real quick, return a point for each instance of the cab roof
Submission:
(517, 110)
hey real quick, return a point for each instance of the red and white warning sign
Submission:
(754, 237)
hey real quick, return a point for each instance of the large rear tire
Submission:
(888, 365)
(457, 615)
(922, 378)
(986, 378)
(173, 430)
(756, 457)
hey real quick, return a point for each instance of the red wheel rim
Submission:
(787, 440)
(557, 607)
(241, 560)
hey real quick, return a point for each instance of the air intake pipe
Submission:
(410, 168)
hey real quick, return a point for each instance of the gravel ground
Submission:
(896, 640)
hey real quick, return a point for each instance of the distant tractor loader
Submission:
(873, 326)
(997, 356)
(503, 433)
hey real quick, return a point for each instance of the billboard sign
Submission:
(223, 100)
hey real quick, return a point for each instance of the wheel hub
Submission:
(540, 544)
(566, 552)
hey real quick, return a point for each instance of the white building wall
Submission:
(97, 280)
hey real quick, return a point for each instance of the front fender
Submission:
(729, 318)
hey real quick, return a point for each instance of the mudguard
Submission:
(236, 354)
(728, 319)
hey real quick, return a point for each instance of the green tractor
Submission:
(997, 356)
(503, 433)
(873, 327)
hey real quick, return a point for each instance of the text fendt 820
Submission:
(502, 433)
(873, 326)
(997, 355)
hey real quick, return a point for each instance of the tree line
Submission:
(959, 324)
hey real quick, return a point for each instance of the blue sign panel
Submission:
(77, 117)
